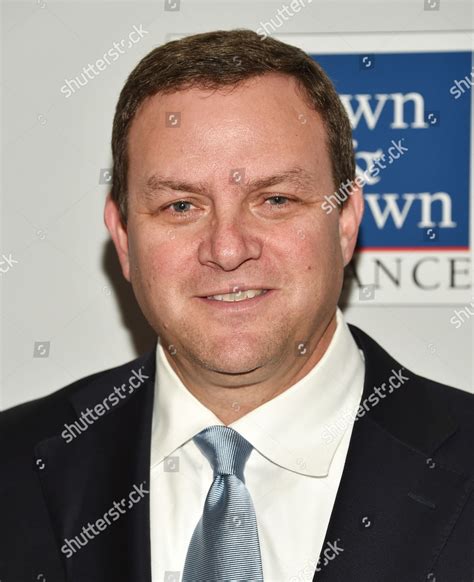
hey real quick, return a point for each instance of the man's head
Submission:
(208, 131)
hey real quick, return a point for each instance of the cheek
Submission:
(157, 263)
(314, 259)
(315, 242)
(144, 257)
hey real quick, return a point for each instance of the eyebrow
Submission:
(298, 176)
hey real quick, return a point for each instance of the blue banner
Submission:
(411, 120)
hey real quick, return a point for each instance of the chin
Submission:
(232, 356)
(233, 367)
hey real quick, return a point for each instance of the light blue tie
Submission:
(224, 545)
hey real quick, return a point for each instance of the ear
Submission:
(350, 218)
(119, 234)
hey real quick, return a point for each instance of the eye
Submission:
(278, 198)
(179, 204)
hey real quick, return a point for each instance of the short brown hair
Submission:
(225, 58)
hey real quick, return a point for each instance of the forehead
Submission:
(263, 118)
(255, 97)
(268, 89)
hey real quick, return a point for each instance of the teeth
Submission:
(239, 296)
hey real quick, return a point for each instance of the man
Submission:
(263, 432)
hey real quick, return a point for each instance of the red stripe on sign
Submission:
(365, 249)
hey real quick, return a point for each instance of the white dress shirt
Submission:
(292, 474)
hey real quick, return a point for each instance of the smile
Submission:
(238, 302)
(238, 296)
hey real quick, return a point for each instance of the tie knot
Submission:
(225, 449)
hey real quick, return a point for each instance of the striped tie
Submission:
(224, 545)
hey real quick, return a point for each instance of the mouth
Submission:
(238, 300)
(239, 295)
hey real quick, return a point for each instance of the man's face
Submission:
(205, 226)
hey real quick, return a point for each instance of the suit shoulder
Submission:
(423, 413)
(43, 416)
(427, 389)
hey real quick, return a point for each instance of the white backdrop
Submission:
(66, 310)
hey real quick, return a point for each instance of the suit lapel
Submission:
(104, 473)
(396, 504)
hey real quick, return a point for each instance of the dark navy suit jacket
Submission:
(404, 510)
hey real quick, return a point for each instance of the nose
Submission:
(229, 242)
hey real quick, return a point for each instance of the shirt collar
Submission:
(291, 429)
